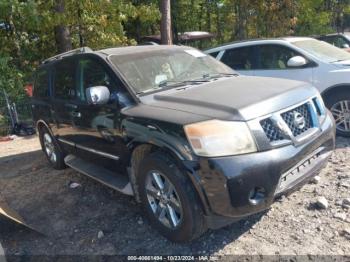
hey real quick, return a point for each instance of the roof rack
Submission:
(80, 50)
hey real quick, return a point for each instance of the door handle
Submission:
(73, 106)
(76, 114)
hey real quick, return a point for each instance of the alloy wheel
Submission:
(341, 114)
(163, 199)
(50, 148)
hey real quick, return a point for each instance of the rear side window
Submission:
(239, 58)
(64, 80)
(41, 84)
(214, 54)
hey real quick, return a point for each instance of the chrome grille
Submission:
(288, 117)
(272, 132)
(291, 124)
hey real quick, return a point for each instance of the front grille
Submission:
(288, 117)
(298, 120)
(272, 132)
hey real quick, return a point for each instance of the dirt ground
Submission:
(71, 218)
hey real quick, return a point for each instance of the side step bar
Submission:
(106, 177)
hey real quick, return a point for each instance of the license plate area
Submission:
(297, 172)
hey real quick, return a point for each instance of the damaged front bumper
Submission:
(234, 187)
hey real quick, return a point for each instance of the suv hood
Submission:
(235, 98)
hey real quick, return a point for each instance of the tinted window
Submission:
(65, 79)
(93, 73)
(41, 85)
(239, 58)
(274, 56)
(214, 54)
(337, 41)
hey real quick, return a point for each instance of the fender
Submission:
(155, 136)
(140, 132)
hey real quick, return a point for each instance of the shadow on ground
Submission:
(71, 218)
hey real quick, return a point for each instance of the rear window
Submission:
(41, 84)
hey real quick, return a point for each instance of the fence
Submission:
(12, 113)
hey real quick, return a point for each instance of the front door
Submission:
(98, 135)
(272, 62)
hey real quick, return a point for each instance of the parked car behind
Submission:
(196, 144)
(341, 40)
(298, 58)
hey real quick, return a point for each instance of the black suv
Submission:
(198, 145)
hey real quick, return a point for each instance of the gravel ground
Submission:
(93, 219)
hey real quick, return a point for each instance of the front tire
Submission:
(53, 152)
(339, 105)
(169, 200)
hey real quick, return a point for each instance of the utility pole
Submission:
(165, 25)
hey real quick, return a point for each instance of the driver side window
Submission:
(92, 73)
(274, 57)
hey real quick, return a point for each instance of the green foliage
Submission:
(11, 79)
(28, 36)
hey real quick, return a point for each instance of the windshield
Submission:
(158, 69)
(323, 50)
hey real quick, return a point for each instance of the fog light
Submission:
(256, 195)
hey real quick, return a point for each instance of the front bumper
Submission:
(238, 186)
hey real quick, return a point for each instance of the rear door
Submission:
(41, 102)
(241, 59)
(65, 101)
(272, 62)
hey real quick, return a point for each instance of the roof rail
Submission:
(80, 50)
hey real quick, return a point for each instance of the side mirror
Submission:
(345, 46)
(97, 95)
(296, 61)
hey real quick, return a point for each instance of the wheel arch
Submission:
(141, 149)
(344, 87)
(41, 123)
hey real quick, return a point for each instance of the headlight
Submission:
(220, 138)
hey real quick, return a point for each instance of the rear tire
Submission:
(50, 146)
(174, 211)
(339, 105)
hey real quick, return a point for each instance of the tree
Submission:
(62, 33)
(165, 26)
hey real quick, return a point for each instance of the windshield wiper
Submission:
(180, 83)
(217, 75)
(163, 85)
(339, 60)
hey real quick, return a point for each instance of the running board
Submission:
(106, 177)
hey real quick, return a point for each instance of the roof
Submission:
(293, 39)
(184, 37)
(290, 39)
(334, 34)
(140, 48)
